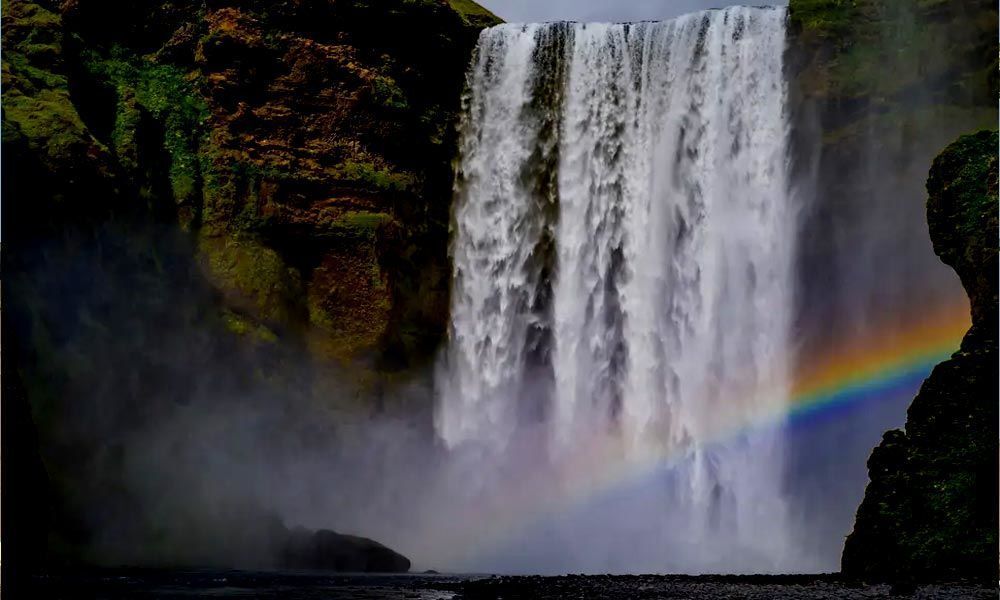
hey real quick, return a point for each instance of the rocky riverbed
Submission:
(163, 584)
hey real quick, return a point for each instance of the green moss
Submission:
(123, 139)
(384, 179)
(828, 19)
(884, 48)
(977, 153)
(29, 76)
(890, 50)
(36, 101)
(30, 14)
(349, 302)
(166, 93)
(963, 199)
(361, 225)
(386, 93)
(243, 326)
(253, 278)
(48, 120)
(231, 191)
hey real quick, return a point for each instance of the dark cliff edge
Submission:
(211, 205)
(876, 88)
(930, 511)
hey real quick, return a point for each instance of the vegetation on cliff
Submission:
(962, 215)
(879, 51)
(210, 205)
(903, 76)
(930, 511)
(301, 144)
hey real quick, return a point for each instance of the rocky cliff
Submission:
(877, 88)
(212, 208)
(930, 511)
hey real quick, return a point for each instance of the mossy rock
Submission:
(350, 303)
(244, 327)
(166, 92)
(962, 204)
(353, 226)
(37, 106)
(825, 19)
(171, 165)
(253, 279)
(383, 179)
(962, 215)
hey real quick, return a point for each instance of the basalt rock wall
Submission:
(212, 209)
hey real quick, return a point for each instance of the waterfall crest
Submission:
(622, 246)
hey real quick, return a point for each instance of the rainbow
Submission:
(875, 364)
(859, 371)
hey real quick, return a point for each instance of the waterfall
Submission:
(622, 247)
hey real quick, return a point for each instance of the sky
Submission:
(517, 11)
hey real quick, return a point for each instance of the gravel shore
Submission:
(119, 584)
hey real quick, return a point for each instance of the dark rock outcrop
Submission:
(876, 89)
(930, 511)
(326, 550)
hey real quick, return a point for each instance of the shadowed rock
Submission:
(930, 511)
(326, 550)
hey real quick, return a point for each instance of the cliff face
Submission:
(877, 88)
(930, 511)
(210, 205)
(316, 165)
(305, 146)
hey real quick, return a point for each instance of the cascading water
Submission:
(623, 240)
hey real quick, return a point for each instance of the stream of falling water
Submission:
(623, 256)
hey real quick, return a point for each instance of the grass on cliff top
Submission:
(474, 13)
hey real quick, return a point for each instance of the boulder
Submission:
(326, 550)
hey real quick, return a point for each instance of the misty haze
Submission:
(366, 299)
